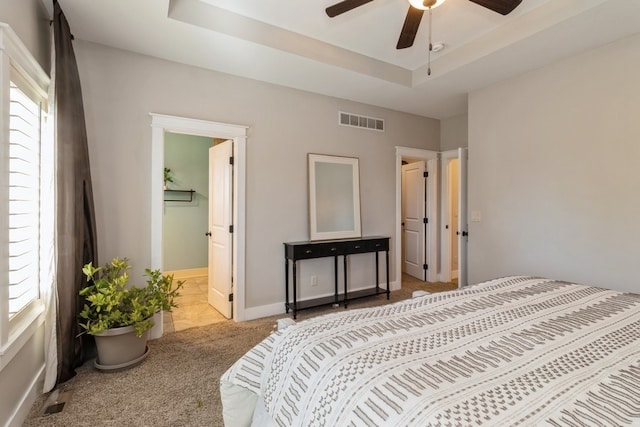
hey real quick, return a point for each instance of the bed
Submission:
(511, 351)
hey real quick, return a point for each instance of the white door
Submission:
(463, 227)
(413, 217)
(220, 223)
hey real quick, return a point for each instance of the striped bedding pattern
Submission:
(512, 351)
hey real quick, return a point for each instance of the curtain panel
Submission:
(75, 218)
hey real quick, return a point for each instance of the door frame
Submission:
(160, 124)
(431, 159)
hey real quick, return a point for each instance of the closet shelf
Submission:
(175, 195)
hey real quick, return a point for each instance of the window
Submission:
(26, 194)
(25, 116)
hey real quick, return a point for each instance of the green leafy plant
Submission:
(167, 176)
(111, 303)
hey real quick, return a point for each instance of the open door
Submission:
(463, 227)
(413, 220)
(220, 228)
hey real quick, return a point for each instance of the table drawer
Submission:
(316, 250)
(364, 246)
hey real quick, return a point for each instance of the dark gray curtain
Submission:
(76, 229)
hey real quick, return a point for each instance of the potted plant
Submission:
(118, 315)
(167, 177)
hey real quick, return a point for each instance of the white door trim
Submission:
(431, 157)
(160, 124)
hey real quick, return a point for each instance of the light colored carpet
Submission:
(178, 383)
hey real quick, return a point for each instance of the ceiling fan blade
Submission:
(410, 28)
(344, 6)
(503, 7)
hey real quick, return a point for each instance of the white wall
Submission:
(121, 89)
(454, 132)
(21, 378)
(29, 20)
(554, 169)
(21, 381)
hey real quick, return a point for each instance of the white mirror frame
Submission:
(336, 193)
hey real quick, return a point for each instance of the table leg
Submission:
(335, 280)
(345, 279)
(377, 274)
(387, 263)
(295, 297)
(286, 285)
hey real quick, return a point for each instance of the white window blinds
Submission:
(27, 223)
(25, 117)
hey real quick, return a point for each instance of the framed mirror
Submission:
(334, 197)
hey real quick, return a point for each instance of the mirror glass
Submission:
(334, 197)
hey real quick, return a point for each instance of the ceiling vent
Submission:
(354, 120)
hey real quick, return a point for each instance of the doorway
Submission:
(185, 222)
(162, 124)
(450, 216)
(454, 236)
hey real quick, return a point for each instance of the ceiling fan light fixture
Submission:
(425, 4)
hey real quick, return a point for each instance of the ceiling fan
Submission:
(416, 10)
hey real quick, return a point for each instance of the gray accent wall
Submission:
(554, 170)
(185, 223)
(121, 89)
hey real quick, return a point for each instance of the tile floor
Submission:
(193, 308)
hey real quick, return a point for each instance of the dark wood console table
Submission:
(296, 251)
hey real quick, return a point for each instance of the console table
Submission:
(296, 251)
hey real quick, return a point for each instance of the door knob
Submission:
(208, 233)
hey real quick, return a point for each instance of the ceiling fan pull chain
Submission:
(430, 46)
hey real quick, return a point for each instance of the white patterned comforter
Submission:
(512, 351)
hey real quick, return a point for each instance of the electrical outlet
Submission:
(314, 280)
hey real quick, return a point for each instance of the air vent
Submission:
(354, 120)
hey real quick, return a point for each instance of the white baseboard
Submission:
(28, 399)
(187, 273)
(253, 313)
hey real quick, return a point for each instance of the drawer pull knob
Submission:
(378, 245)
(334, 249)
(357, 246)
(308, 251)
